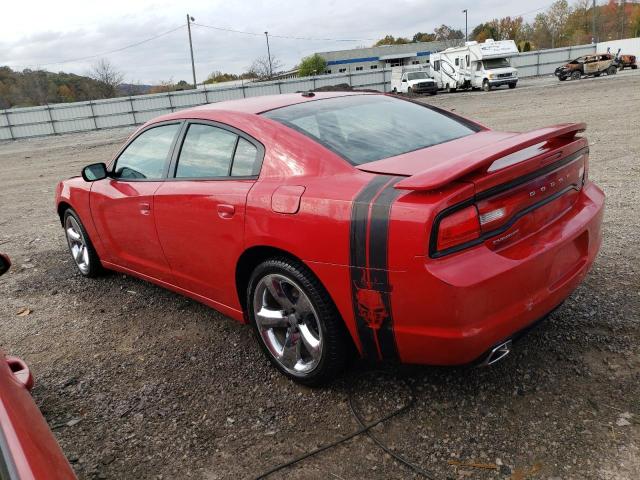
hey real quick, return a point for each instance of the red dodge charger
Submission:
(330, 221)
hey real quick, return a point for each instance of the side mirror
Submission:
(404, 79)
(5, 263)
(95, 171)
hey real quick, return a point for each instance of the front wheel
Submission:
(575, 75)
(612, 70)
(296, 322)
(80, 246)
(409, 91)
(512, 85)
(486, 86)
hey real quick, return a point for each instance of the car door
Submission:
(122, 204)
(200, 209)
(590, 65)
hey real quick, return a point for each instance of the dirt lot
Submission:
(141, 383)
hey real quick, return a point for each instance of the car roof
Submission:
(261, 104)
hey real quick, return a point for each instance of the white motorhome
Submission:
(412, 79)
(475, 65)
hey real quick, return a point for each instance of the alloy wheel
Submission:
(77, 244)
(288, 324)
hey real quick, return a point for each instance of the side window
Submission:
(467, 57)
(479, 66)
(145, 158)
(206, 152)
(245, 160)
(457, 62)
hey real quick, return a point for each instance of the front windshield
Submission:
(416, 75)
(496, 63)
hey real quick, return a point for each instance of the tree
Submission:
(391, 40)
(448, 35)
(312, 65)
(555, 20)
(262, 69)
(423, 37)
(108, 76)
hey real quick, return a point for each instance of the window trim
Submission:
(167, 162)
(175, 156)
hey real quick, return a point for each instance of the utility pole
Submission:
(466, 28)
(266, 34)
(193, 64)
(622, 5)
(593, 22)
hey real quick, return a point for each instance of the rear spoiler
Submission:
(443, 173)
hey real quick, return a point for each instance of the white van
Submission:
(475, 65)
(412, 80)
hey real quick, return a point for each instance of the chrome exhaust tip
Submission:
(497, 353)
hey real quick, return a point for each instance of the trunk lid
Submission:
(521, 183)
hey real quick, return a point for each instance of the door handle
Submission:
(226, 211)
(145, 208)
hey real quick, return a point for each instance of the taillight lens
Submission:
(458, 228)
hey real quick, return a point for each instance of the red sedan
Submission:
(334, 220)
(28, 449)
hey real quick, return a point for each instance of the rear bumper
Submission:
(449, 311)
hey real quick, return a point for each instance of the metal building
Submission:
(373, 58)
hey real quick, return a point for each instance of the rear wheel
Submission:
(80, 246)
(575, 75)
(486, 86)
(562, 79)
(297, 324)
(409, 91)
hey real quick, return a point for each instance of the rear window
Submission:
(365, 128)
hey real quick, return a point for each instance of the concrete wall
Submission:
(128, 111)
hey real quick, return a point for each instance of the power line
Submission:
(88, 57)
(291, 37)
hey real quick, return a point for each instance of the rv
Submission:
(475, 65)
(412, 80)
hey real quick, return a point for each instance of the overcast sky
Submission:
(41, 34)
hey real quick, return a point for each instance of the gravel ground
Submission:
(138, 382)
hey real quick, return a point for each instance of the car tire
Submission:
(575, 75)
(451, 89)
(512, 85)
(435, 92)
(612, 70)
(296, 323)
(562, 79)
(486, 86)
(395, 90)
(81, 248)
(409, 91)
(634, 67)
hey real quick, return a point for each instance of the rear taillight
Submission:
(458, 228)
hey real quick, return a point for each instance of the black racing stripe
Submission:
(358, 260)
(378, 263)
